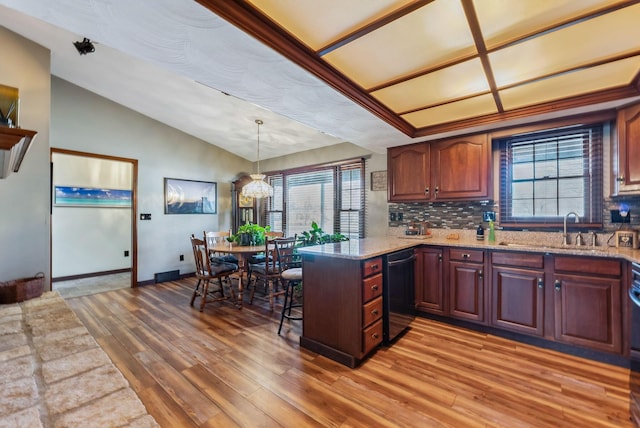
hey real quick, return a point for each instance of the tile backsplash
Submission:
(468, 215)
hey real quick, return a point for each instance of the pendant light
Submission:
(258, 188)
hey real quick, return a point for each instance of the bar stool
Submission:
(290, 275)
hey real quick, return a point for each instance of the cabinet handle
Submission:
(374, 287)
(426, 191)
(374, 312)
(620, 179)
(439, 257)
(437, 189)
(374, 267)
(375, 336)
(557, 284)
(466, 256)
(540, 283)
(480, 274)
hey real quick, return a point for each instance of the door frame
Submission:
(134, 206)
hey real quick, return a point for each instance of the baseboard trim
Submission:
(89, 275)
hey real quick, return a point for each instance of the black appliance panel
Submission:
(398, 293)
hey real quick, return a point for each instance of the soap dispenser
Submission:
(492, 232)
(480, 233)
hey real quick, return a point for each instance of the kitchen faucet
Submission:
(565, 240)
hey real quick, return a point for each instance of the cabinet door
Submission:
(430, 294)
(628, 176)
(460, 168)
(588, 312)
(518, 300)
(466, 291)
(408, 173)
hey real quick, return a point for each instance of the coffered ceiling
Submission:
(374, 73)
(433, 66)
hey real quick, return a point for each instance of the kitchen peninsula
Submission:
(575, 296)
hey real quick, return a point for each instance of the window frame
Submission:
(593, 174)
(275, 177)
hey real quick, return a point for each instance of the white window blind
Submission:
(330, 195)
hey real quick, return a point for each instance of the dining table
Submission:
(244, 253)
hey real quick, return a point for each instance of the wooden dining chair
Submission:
(257, 259)
(290, 268)
(216, 238)
(266, 273)
(208, 271)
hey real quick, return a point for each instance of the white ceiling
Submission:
(176, 62)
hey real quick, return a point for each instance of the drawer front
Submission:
(466, 255)
(371, 287)
(587, 265)
(372, 311)
(371, 336)
(517, 259)
(372, 267)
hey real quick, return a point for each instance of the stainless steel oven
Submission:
(634, 378)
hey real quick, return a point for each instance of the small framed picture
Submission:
(379, 180)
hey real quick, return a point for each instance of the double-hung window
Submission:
(545, 175)
(330, 195)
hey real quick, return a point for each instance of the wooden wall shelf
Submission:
(14, 143)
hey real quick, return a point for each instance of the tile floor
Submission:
(54, 374)
(92, 285)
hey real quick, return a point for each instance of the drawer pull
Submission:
(374, 312)
(375, 267)
(480, 274)
(374, 287)
(557, 284)
(375, 335)
(540, 283)
(466, 256)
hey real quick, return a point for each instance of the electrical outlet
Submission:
(145, 216)
(181, 257)
(126, 253)
(400, 216)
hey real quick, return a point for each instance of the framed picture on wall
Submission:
(190, 196)
(74, 196)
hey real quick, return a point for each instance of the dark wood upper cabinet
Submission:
(453, 169)
(627, 173)
(408, 173)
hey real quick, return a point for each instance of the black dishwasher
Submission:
(398, 293)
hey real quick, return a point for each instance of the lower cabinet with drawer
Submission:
(342, 307)
(467, 298)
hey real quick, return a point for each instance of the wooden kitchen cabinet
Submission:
(466, 284)
(518, 281)
(430, 291)
(453, 169)
(408, 172)
(627, 173)
(342, 307)
(588, 302)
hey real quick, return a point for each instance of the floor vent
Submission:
(172, 275)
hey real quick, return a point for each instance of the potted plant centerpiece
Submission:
(250, 234)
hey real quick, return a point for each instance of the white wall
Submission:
(24, 196)
(83, 121)
(90, 239)
(377, 208)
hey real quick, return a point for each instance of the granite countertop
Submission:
(360, 249)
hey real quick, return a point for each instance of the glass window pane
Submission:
(546, 189)
(546, 169)
(571, 188)
(522, 208)
(523, 171)
(546, 207)
(522, 190)
(571, 167)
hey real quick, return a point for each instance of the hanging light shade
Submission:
(258, 188)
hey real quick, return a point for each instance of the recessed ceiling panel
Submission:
(465, 109)
(462, 80)
(504, 21)
(434, 34)
(607, 76)
(582, 44)
(318, 23)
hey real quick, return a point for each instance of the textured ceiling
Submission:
(178, 63)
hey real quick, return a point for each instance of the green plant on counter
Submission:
(250, 234)
(317, 236)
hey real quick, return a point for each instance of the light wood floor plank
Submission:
(228, 367)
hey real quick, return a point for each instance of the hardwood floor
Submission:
(228, 367)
